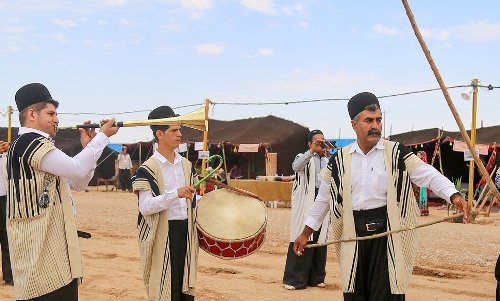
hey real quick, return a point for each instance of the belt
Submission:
(370, 227)
(370, 220)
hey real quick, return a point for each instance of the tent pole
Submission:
(205, 146)
(225, 162)
(454, 112)
(140, 153)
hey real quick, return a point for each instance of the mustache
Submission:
(374, 132)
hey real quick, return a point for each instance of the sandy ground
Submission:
(454, 261)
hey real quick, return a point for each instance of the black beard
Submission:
(374, 132)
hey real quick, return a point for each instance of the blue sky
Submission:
(108, 56)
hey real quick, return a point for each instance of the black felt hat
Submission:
(31, 94)
(359, 102)
(161, 112)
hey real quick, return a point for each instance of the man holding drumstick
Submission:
(168, 241)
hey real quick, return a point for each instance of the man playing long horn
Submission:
(168, 240)
(41, 226)
(367, 189)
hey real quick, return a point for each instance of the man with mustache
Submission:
(366, 187)
(41, 224)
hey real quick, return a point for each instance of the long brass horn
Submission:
(195, 120)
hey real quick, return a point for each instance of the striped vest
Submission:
(44, 247)
(402, 211)
(153, 236)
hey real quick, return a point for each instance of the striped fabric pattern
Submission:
(303, 195)
(402, 211)
(38, 237)
(153, 236)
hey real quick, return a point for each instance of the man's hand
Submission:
(185, 192)
(4, 146)
(86, 134)
(316, 146)
(458, 201)
(301, 241)
(107, 127)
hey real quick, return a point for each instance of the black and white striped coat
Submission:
(402, 211)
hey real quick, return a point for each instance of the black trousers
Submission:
(177, 232)
(125, 180)
(372, 274)
(68, 292)
(308, 269)
(4, 241)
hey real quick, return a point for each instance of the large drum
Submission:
(230, 225)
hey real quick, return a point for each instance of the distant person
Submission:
(124, 168)
(308, 269)
(4, 241)
(168, 240)
(236, 172)
(366, 190)
(44, 247)
(422, 193)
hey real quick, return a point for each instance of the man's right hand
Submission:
(301, 241)
(107, 127)
(316, 147)
(4, 146)
(185, 192)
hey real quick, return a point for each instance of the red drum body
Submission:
(230, 225)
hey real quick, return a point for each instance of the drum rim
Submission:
(237, 257)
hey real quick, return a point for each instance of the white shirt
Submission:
(78, 170)
(124, 162)
(3, 182)
(369, 184)
(173, 177)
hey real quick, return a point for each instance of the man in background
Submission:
(124, 167)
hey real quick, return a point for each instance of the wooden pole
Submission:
(386, 233)
(435, 70)
(205, 145)
(9, 124)
(225, 162)
(475, 82)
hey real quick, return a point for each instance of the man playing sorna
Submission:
(308, 269)
(367, 189)
(168, 241)
(44, 247)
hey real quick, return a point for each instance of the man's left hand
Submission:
(458, 201)
(86, 134)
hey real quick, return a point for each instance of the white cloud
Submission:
(196, 4)
(13, 48)
(89, 42)
(293, 9)
(211, 48)
(304, 24)
(263, 6)
(64, 23)
(481, 31)
(386, 30)
(115, 2)
(124, 21)
(437, 34)
(59, 37)
(266, 51)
